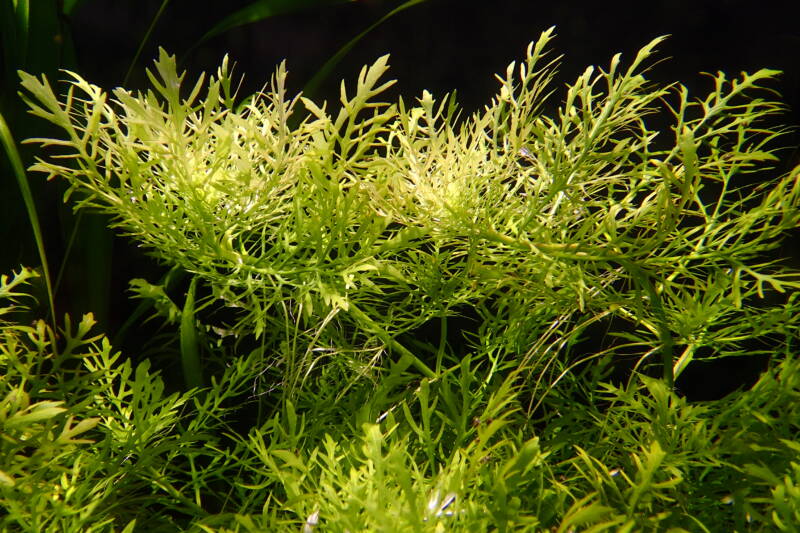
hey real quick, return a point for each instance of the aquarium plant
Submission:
(322, 243)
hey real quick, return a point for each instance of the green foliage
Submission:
(51, 478)
(325, 249)
(90, 443)
(36, 37)
(13, 155)
(87, 441)
(653, 461)
(361, 225)
(379, 479)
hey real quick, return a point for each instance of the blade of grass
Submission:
(71, 5)
(144, 41)
(260, 10)
(15, 24)
(70, 244)
(313, 85)
(190, 348)
(30, 206)
(94, 242)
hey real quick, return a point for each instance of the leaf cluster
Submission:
(92, 444)
(325, 242)
(351, 228)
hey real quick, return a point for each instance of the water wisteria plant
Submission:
(364, 223)
(322, 244)
(91, 442)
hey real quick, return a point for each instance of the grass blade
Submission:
(262, 9)
(15, 23)
(190, 348)
(312, 86)
(30, 206)
(144, 41)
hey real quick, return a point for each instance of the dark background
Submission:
(438, 45)
(441, 45)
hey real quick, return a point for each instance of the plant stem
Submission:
(30, 205)
(406, 357)
(190, 350)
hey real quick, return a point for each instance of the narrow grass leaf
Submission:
(30, 206)
(190, 348)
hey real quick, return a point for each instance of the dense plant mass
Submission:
(329, 244)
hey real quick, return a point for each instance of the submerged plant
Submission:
(91, 443)
(334, 238)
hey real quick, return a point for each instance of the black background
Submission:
(442, 45)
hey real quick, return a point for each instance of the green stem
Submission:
(30, 205)
(577, 253)
(407, 358)
(144, 41)
(643, 280)
(190, 348)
